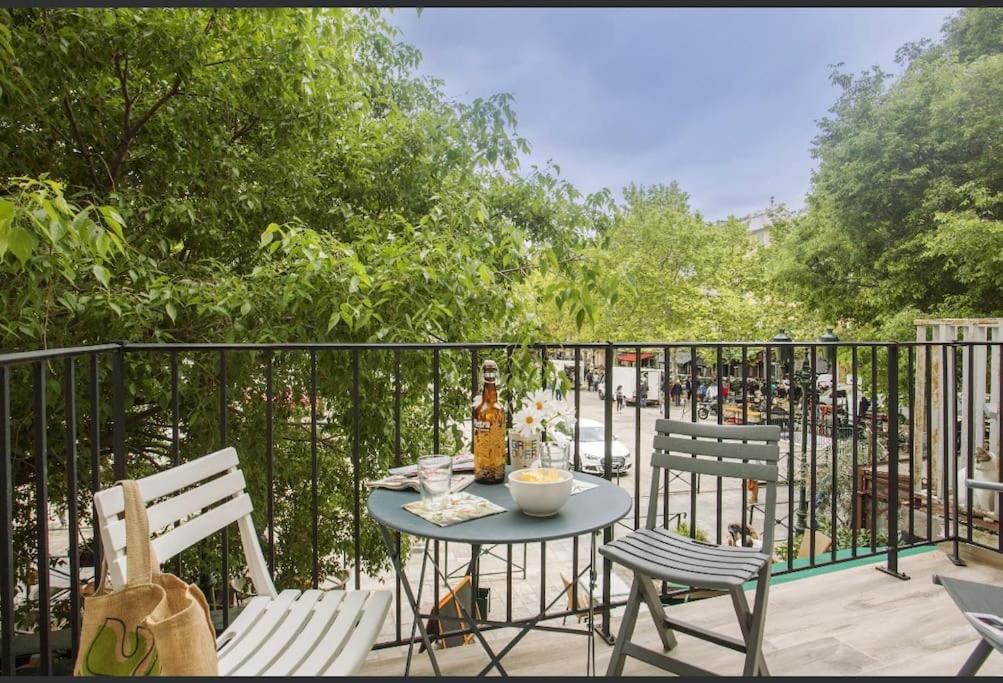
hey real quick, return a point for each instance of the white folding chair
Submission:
(292, 633)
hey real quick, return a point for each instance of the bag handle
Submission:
(140, 564)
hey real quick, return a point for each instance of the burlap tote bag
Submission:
(155, 625)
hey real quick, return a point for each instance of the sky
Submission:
(723, 101)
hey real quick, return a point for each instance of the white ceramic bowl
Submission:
(540, 498)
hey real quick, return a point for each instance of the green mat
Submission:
(800, 564)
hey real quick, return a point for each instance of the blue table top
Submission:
(584, 512)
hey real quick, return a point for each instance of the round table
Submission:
(584, 513)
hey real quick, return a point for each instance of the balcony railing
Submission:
(312, 422)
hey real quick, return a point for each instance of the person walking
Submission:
(588, 379)
(677, 392)
(689, 389)
(702, 392)
(643, 393)
(619, 398)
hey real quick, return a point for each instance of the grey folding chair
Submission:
(656, 554)
(977, 598)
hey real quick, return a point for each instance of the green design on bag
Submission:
(115, 652)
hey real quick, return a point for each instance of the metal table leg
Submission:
(415, 605)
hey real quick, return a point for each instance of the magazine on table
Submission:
(398, 482)
(462, 462)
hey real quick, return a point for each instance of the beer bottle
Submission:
(489, 431)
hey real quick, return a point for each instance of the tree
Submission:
(908, 184)
(265, 176)
(681, 278)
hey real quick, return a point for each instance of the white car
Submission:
(592, 448)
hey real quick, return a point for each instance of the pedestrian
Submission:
(619, 398)
(689, 389)
(588, 379)
(702, 392)
(862, 409)
(677, 392)
(725, 388)
(643, 398)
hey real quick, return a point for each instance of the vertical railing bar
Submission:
(607, 473)
(7, 579)
(834, 445)
(694, 481)
(356, 466)
(95, 450)
(928, 438)
(948, 380)
(791, 355)
(508, 582)
(175, 432)
(856, 423)
(70, 410)
(911, 380)
(745, 421)
(270, 454)
(874, 449)
(577, 467)
(999, 433)
(435, 449)
(637, 415)
(812, 406)
(970, 465)
(314, 476)
(118, 412)
(42, 519)
(224, 439)
(893, 459)
(397, 463)
(718, 493)
(543, 577)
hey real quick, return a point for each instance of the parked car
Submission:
(592, 448)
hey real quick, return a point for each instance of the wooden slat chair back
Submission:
(277, 633)
(748, 452)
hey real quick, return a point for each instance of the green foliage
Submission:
(903, 213)
(680, 277)
(267, 176)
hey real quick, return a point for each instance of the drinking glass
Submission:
(555, 455)
(435, 477)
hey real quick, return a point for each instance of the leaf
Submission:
(102, 274)
(333, 321)
(245, 308)
(172, 311)
(485, 274)
(21, 243)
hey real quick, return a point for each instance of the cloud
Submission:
(723, 101)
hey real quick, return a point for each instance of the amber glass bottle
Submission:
(489, 431)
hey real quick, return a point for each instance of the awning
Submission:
(630, 357)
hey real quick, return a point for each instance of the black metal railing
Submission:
(313, 421)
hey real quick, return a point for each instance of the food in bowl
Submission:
(540, 492)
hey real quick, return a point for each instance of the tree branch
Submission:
(75, 129)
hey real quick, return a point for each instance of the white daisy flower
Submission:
(540, 401)
(527, 422)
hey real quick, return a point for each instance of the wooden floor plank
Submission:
(855, 621)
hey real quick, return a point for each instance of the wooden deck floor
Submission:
(855, 621)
